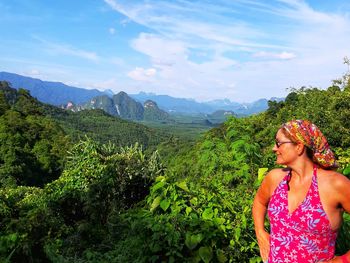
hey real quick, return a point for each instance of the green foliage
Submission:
(103, 128)
(343, 240)
(3, 103)
(33, 146)
(226, 152)
(72, 213)
(8, 96)
(198, 221)
(326, 108)
(186, 132)
(27, 223)
(200, 211)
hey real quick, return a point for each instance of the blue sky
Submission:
(242, 50)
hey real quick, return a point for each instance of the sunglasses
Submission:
(278, 143)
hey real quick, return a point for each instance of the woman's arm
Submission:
(259, 210)
(342, 188)
(263, 237)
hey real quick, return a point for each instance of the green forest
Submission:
(89, 187)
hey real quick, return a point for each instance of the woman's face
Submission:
(284, 149)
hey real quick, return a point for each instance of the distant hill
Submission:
(100, 102)
(240, 109)
(55, 93)
(95, 124)
(127, 107)
(123, 106)
(153, 113)
(220, 116)
(224, 104)
(174, 105)
(190, 106)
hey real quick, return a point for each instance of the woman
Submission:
(305, 201)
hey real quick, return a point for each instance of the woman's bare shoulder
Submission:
(273, 178)
(337, 187)
(269, 184)
(334, 180)
(277, 174)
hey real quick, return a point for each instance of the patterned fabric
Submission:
(310, 135)
(303, 236)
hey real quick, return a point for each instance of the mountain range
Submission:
(57, 93)
(123, 106)
(190, 106)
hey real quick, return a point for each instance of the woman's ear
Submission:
(300, 148)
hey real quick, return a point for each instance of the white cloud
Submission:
(111, 30)
(117, 61)
(271, 55)
(176, 74)
(68, 50)
(242, 49)
(252, 48)
(34, 72)
(65, 49)
(105, 84)
(76, 52)
(158, 48)
(124, 22)
(190, 21)
(141, 74)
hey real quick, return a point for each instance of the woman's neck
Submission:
(302, 169)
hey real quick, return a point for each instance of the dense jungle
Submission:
(89, 187)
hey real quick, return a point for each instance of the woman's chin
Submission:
(279, 162)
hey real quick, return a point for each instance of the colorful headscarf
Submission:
(310, 135)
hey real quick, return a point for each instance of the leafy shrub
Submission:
(200, 210)
(71, 214)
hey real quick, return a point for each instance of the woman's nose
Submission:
(274, 148)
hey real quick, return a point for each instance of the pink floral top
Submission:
(303, 236)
